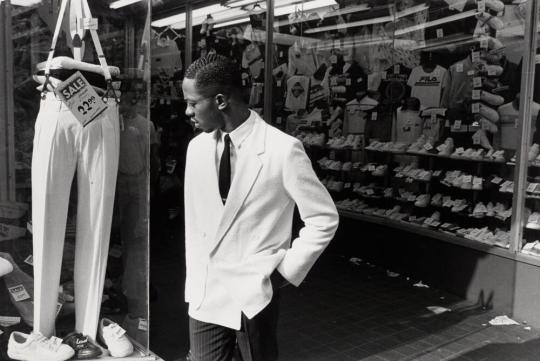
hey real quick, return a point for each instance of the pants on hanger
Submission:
(61, 147)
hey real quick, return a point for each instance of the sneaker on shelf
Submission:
(477, 183)
(466, 182)
(357, 142)
(533, 152)
(336, 165)
(346, 167)
(422, 201)
(417, 145)
(394, 210)
(435, 217)
(498, 156)
(457, 182)
(499, 209)
(468, 153)
(446, 148)
(490, 209)
(533, 221)
(459, 205)
(425, 175)
(458, 152)
(478, 154)
(380, 171)
(84, 347)
(447, 202)
(436, 200)
(532, 248)
(388, 192)
(338, 143)
(114, 337)
(36, 347)
(411, 197)
(489, 154)
(480, 210)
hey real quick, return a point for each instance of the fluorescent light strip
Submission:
(310, 5)
(232, 22)
(121, 3)
(24, 2)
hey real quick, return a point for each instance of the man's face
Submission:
(202, 111)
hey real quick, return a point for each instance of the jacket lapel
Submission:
(209, 173)
(245, 175)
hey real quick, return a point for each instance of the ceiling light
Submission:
(24, 2)
(233, 22)
(121, 3)
(310, 5)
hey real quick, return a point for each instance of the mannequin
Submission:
(427, 81)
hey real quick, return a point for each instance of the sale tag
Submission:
(496, 180)
(347, 185)
(459, 67)
(475, 56)
(476, 108)
(348, 82)
(476, 94)
(477, 82)
(374, 116)
(457, 124)
(19, 293)
(531, 187)
(29, 260)
(79, 96)
(90, 23)
(440, 33)
(428, 146)
(470, 73)
(437, 173)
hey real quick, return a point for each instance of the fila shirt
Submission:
(427, 87)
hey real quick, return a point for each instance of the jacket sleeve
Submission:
(317, 211)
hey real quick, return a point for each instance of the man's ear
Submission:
(222, 101)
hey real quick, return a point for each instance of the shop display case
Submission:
(103, 251)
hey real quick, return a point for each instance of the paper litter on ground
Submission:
(421, 285)
(391, 274)
(502, 321)
(355, 260)
(438, 309)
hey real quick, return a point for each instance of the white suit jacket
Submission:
(232, 249)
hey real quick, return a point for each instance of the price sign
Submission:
(90, 23)
(19, 293)
(79, 96)
(477, 82)
(374, 116)
(496, 180)
(279, 83)
(475, 56)
(459, 67)
(428, 146)
(457, 124)
(440, 33)
(476, 108)
(476, 94)
(348, 82)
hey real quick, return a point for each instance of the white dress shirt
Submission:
(238, 137)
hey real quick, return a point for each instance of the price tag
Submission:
(161, 101)
(437, 173)
(484, 43)
(347, 186)
(359, 80)
(477, 82)
(476, 94)
(459, 67)
(79, 96)
(216, 41)
(496, 180)
(476, 108)
(370, 192)
(371, 168)
(457, 124)
(481, 5)
(29, 260)
(467, 179)
(281, 54)
(244, 82)
(90, 23)
(374, 116)
(446, 225)
(58, 308)
(531, 187)
(435, 223)
(19, 293)
(348, 82)
(7, 321)
(475, 55)
(143, 324)
(440, 33)
(279, 83)
(428, 146)
(396, 69)
(383, 75)
(333, 59)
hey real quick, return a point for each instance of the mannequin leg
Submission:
(53, 166)
(96, 179)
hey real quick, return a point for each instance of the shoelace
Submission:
(52, 343)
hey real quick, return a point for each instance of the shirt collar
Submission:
(240, 134)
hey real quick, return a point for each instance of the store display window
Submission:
(75, 169)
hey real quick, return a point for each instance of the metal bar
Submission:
(268, 61)
(189, 36)
(526, 99)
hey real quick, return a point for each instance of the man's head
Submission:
(211, 86)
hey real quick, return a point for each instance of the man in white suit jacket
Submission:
(238, 235)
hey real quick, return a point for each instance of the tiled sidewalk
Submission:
(357, 312)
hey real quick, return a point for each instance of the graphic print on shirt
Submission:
(297, 93)
(427, 87)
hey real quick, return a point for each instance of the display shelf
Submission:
(440, 235)
(483, 160)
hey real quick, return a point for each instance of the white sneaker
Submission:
(422, 201)
(5, 267)
(534, 221)
(115, 338)
(36, 347)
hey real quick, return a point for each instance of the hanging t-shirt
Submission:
(356, 114)
(302, 61)
(427, 87)
(394, 86)
(297, 93)
(434, 119)
(509, 135)
(408, 126)
(458, 84)
(252, 59)
(379, 124)
(165, 56)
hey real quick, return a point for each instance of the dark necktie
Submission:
(225, 170)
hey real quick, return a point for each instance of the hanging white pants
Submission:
(61, 147)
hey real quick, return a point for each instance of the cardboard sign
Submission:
(19, 293)
(79, 96)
